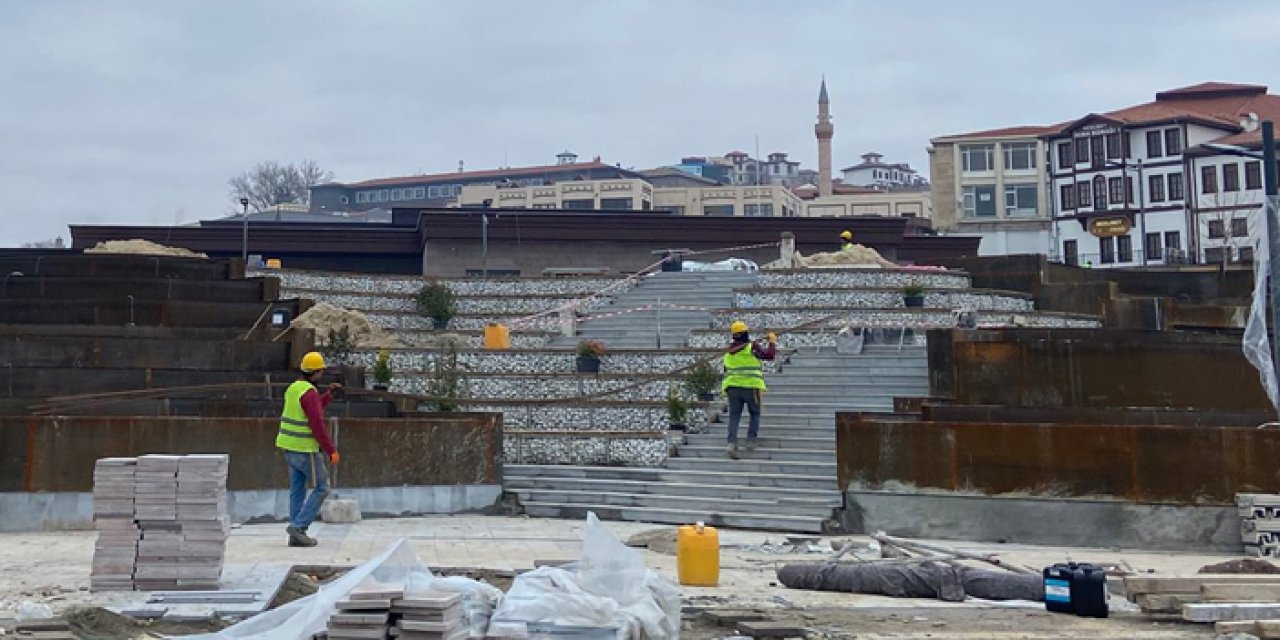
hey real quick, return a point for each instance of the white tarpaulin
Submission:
(1257, 349)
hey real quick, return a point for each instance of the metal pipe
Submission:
(1142, 213)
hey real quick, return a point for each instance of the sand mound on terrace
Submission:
(325, 317)
(143, 248)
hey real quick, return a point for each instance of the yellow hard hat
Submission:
(846, 235)
(311, 362)
(738, 326)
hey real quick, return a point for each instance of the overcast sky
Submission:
(131, 112)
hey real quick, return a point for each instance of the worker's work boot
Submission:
(732, 450)
(299, 538)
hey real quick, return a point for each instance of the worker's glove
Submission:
(772, 338)
(335, 386)
(334, 458)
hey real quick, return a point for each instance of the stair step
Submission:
(827, 469)
(685, 504)
(825, 442)
(761, 453)
(828, 498)
(664, 475)
(722, 519)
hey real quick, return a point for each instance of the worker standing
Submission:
(302, 437)
(846, 240)
(744, 381)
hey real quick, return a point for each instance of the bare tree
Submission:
(52, 243)
(271, 183)
(1227, 207)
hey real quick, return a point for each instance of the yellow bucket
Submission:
(496, 337)
(698, 555)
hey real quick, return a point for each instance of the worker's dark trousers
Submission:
(738, 397)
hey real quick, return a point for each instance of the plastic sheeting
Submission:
(917, 580)
(1257, 348)
(396, 566)
(609, 589)
(732, 264)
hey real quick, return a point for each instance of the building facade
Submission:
(869, 202)
(1148, 184)
(873, 171)
(993, 184)
(443, 189)
(763, 201)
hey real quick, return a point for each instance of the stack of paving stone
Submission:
(1260, 523)
(429, 616)
(162, 522)
(53, 629)
(117, 544)
(364, 613)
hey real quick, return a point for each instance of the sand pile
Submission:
(325, 317)
(142, 247)
(858, 256)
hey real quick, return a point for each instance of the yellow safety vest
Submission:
(743, 369)
(295, 431)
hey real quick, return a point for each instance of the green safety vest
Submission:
(295, 431)
(743, 369)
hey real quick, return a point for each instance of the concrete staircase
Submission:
(787, 484)
(663, 328)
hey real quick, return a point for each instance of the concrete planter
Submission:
(588, 364)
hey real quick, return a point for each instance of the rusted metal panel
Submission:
(1146, 463)
(58, 453)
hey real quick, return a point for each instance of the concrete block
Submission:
(1216, 612)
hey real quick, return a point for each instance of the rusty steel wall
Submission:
(56, 454)
(1141, 463)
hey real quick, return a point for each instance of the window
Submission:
(1217, 229)
(1153, 248)
(1082, 149)
(383, 195)
(1019, 156)
(1082, 195)
(615, 204)
(1124, 249)
(1099, 192)
(1209, 179)
(759, 210)
(717, 210)
(1231, 177)
(1107, 249)
(1070, 253)
(581, 203)
(361, 197)
(1154, 149)
(1068, 196)
(419, 193)
(1155, 189)
(1113, 146)
(1239, 227)
(1065, 156)
(1246, 254)
(396, 194)
(1175, 186)
(1098, 155)
(1128, 189)
(1173, 240)
(1115, 188)
(1172, 142)
(344, 199)
(1215, 256)
(980, 202)
(1020, 200)
(1253, 175)
(977, 157)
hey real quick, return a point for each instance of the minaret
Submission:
(824, 131)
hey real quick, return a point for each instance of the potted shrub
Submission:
(382, 371)
(677, 411)
(589, 352)
(437, 302)
(448, 385)
(702, 380)
(913, 295)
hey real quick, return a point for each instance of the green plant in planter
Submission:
(338, 346)
(437, 302)
(448, 385)
(677, 408)
(913, 295)
(382, 371)
(702, 380)
(591, 349)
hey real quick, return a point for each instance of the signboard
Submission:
(1110, 227)
(1094, 129)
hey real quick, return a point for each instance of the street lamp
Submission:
(244, 235)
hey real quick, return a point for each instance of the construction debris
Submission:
(924, 579)
(325, 318)
(142, 247)
(1245, 565)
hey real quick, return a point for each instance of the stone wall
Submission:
(880, 299)
(549, 387)
(402, 321)
(466, 305)
(861, 279)
(409, 285)
(474, 339)
(611, 451)
(534, 361)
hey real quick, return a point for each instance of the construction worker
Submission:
(846, 240)
(302, 437)
(744, 381)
